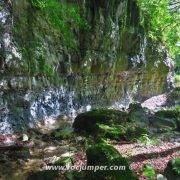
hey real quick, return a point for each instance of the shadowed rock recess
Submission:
(109, 62)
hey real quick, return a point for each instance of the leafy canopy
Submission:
(160, 23)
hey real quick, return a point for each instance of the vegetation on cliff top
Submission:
(161, 23)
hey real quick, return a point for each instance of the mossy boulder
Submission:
(103, 154)
(87, 121)
(43, 175)
(168, 118)
(128, 131)
(172, 170)
(175, 95)
(115, 132)
(138, 114)
(134, 131)
(135, 106)
(168, 113)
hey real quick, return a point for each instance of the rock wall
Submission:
(108, 62)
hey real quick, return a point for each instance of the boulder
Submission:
(168, 118)
(138, 114)
(43, 175)
(172, 170)
(87, 121)
(103, 154)
(175, 95)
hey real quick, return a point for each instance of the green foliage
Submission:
(149, 172)
(172, 170)
(177, 79)
(160, 23)
(146, 140)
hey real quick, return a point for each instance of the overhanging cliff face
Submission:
(111, 62)
(113, 38)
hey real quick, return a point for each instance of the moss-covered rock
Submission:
(135, 106)
(134, 131)
(175, 95)
(87, 121)
(115, 132)
(65, 133)
(105, 155)
(168, 118)
(101, 154)
(138, 114)
(43, 175)
(168, 113)
(128, 131)
(172, 170)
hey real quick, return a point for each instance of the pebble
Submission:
(161, 177)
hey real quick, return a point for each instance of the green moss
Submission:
(165, 123)
(177, 79)
(130, 131)
(135, 106)
(112, 132)
(169, 117)
(105, 155)
(43, 175)
(149, 172)
(63, 133)
(168, 113)
(100, 154)
(138, 114)
(87, 121)
(65, 161)
(133, 131)
(172, 170)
